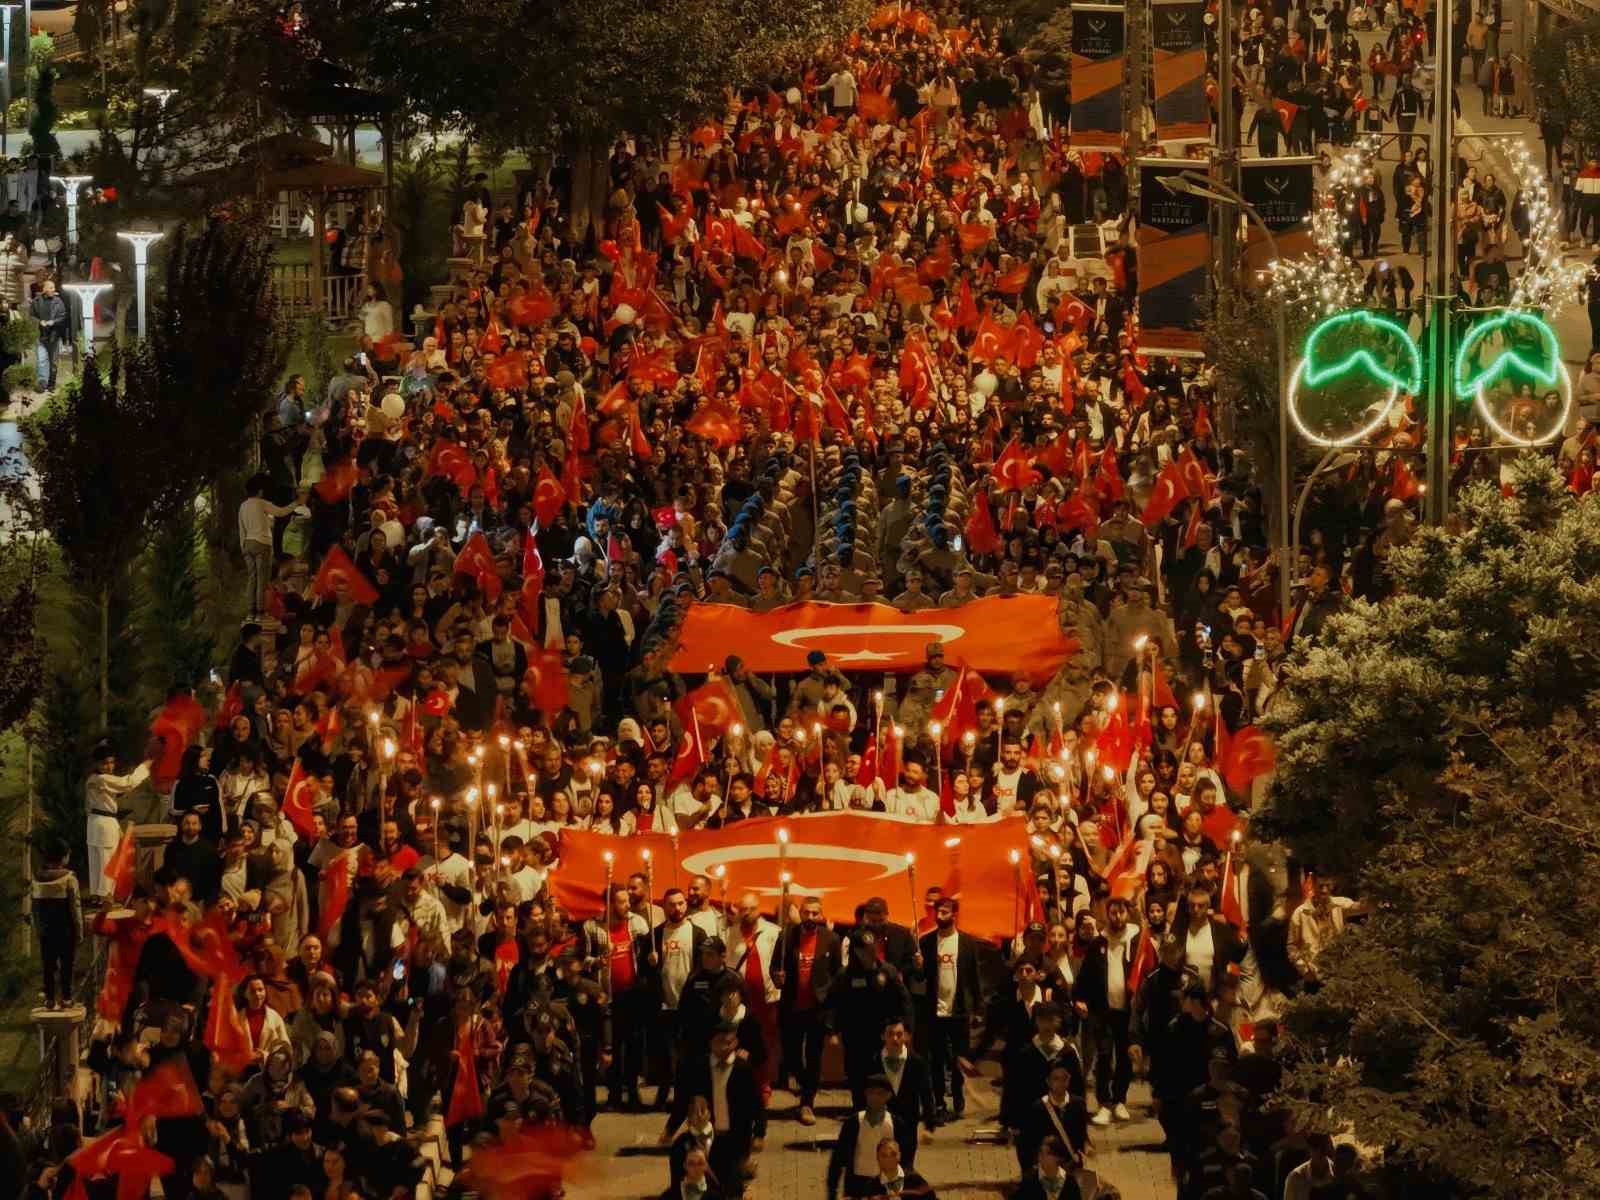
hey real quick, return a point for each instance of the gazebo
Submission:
(295, 175)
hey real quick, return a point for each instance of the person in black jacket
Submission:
(898, 945)
(1028, 1066)
(50, 311)
(1100, 992)
(1056, 1115)
(734, 1096)
(694, 1183)
(866, 994)
(697, 1003)
(806, 964)
(907, 1073)
(873, 1125)
(1052, 1179)
(948, 961)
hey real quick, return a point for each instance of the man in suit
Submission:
(726, 1080)
(1105, 312)
(1028, 1066)
(476, 690)
(854, 1161)
(1055, 1114)
(1210, 944)
(948, 961)
(907, 1072)
(896, 945)
(807, 963)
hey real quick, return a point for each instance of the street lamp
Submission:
(1195, 184)
(5, 73)
(86, 294)
(71, 183)
(141, 243)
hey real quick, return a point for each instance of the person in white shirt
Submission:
(256, 515)
(911, 797)
(102, 793)
(854, 1161)
(843, 85)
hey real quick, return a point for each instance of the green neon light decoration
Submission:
(1508, 361)
(1373, 328)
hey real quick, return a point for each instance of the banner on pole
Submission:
(1174, 254)
(844, 859)
(1099, 44)
(1284, 192)
(1178, 55)
(1005, 634)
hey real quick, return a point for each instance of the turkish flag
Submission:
(1075, 512)
(545, 683)
(337, 569)
(578, 429)
(747, 245)
(226, 1034)
(297, 802)
(966, 314)
(232, 705)
(1013, 281)
(1195, 477)
(1012, 471)
(1202, 420)
(338, 481)
(847, 858)
(994, 341)
(1073, 313)
(466, 1096)
(121, 1155)
(531, 1164)
(572, 477)
(177, 724)
(1057, 456)
(476, 561)
(119, 867)
(1133, 386)
(654, 368)
(1286, 113)
(982, 537)
(1250, 753)
(638, 443)
(1027, 343)
(1191, 531)
(711, 709)
(974, 236)
(1169, 489)
(1403, 484)
(916, 373)
(549, 497)
(957, 710)
(875, 105)
(1144, 960)
(453, 462)
(333, 889)
(1232, 907)
(714, 424)
(167, 1091)
(1108, 480)
(1000, 634)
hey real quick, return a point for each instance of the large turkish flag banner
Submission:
(1004, 634)
(845, 859)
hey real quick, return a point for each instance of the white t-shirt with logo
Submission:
(677, 961)
(945, 948)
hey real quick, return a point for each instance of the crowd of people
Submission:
(835, 347)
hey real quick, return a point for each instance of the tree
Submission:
(571, 75)
(95, 453)
(1438, 748)
(22, 564)
(218, 346)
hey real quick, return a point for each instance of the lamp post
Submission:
(5, 74)
(1195, 184)
(70, 184)
(141, 242)
(86, 294)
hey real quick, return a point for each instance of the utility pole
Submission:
(1436, 500)
(1227, 159)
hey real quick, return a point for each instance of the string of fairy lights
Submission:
(1330, 280)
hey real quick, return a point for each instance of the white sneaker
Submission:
(1122, 1113)
(1103, 1117)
